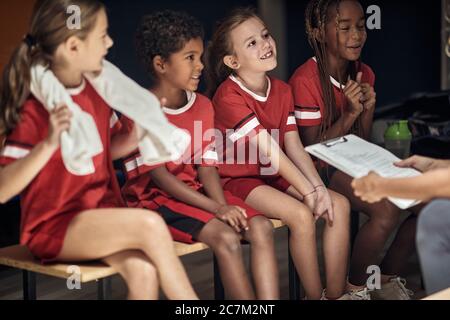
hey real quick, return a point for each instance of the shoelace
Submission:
(402, 284)
(362, 294)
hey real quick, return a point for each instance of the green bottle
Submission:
(397, 139)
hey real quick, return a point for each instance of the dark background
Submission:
(405, 53)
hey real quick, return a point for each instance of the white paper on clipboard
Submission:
(357, 157)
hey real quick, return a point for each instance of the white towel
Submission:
(159, 141)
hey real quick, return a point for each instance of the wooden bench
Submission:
(19, 257)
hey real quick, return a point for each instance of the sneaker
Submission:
(395, 289)
(361, 294)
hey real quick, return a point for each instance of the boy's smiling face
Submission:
(184, 68)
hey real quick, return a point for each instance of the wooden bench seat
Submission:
(19, 257)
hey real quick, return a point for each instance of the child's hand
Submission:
(369, 97)
(353, 93)
(59, 121)
(234, 216)
(310, 200)
(324, 205)
(367, 188)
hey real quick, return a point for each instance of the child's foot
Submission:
(394, 289)
(357, 294)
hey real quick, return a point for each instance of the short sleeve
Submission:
(238, 119)
(289, 121)
(210, 157)
(26, 135)
(133, 164)
(307, 106)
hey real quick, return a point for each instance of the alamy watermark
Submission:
(73, 22)
(374, 280)
(241, 147)
(374, 19)
(74, 280)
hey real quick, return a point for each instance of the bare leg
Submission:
(371, 238)
(226, 244)
(299, 219)
(401, 249)
(336, 239)
(97, 234)
(263, 258)
(139, 273)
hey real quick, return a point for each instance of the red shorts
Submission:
(185, 221)
(47, 240)
(241, 187)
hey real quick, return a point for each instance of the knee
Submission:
(341, 206)
(385, 217)
(149, 226)
(150, 221)
(261, 230)
(300, 220)
(226, 242)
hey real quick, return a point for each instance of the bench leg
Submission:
(354, 227)
(295, 287)
(219, 291)
(104, 289)
(29, 285)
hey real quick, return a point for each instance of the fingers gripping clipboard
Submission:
(357, 157)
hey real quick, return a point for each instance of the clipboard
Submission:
(356, 157)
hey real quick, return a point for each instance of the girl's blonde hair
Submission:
(48, 29)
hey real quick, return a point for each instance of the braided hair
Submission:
(317, 16)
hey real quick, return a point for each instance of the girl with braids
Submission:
(82, 219)
(326, 109)
(250, 109)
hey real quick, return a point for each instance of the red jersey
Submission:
(307, 90)
(240, 114)
(55, 196)
(197, 118)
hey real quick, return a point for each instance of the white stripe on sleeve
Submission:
(134, 164)
(308, 115)
(244, 130)
(14, 152)
(291, 120)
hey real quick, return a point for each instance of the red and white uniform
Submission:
(307, 90)
(240, 115)
(309, 103)
(197, 117)
(55, 196)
